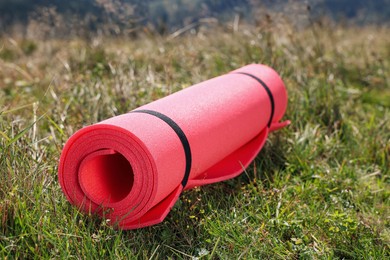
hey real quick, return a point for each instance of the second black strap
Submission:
(271, 97)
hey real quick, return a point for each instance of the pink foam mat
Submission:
(132, 168)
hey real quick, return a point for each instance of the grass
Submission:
(319, 189)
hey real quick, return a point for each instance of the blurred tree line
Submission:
(363, 11)
(83, 17)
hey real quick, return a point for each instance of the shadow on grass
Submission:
(184, 226)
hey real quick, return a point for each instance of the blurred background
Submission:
(88, 18)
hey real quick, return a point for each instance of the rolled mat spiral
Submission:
(131, 168)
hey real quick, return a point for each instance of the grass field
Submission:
(319, 189)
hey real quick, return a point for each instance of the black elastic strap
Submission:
(271, 97)
(180, 134)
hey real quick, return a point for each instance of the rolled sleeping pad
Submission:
(131, 168)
